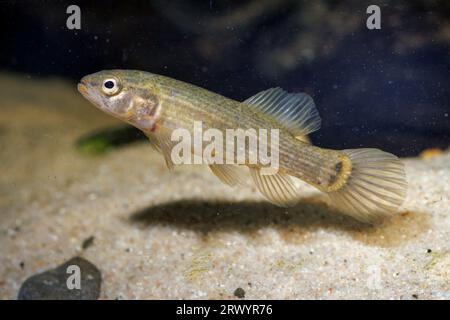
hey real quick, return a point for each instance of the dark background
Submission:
(385, 88)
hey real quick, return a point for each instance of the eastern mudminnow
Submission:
(363, 183)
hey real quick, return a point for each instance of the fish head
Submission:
(125, 94)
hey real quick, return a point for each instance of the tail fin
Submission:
(375, 187)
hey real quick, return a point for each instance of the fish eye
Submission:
(110, 86)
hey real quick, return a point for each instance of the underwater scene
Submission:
(225, 150)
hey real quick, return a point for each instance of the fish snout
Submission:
(83, 86)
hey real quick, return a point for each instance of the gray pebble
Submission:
(240, 293)
(54, 284)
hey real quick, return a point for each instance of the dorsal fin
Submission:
(294, 111)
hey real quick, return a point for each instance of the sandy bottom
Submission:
(182, 234)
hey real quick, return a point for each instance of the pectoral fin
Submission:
(154, 143)
(162, 143)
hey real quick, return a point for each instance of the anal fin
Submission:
(229, 174)
(277, 188)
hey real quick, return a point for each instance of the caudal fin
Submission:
(376, 185)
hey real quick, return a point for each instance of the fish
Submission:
(365, 183)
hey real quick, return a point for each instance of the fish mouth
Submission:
(89, 94)
(83, 89)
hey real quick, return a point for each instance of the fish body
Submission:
(182, 103)
(364, 183)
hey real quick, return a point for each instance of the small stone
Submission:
(415, 296)
(240, 293)
(53, 284)
(88, 242)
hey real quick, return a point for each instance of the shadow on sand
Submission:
(211, 217)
